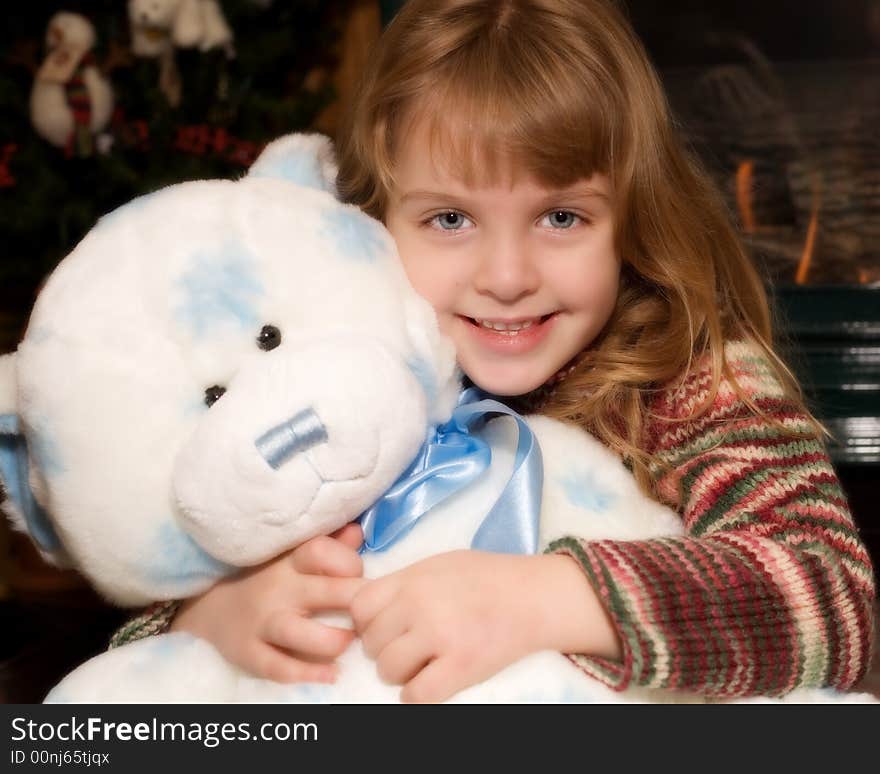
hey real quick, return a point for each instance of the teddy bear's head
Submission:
(220, 370)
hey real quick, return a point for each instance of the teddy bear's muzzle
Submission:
(290, 451)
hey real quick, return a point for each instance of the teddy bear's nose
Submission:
(213, 394)
(297, 434)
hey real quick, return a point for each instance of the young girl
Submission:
(521, 154)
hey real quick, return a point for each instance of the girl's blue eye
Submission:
(560, 219)
(450, 221)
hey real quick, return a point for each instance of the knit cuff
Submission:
(156, 619)
(618, 675)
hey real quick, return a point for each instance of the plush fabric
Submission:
(221, 370)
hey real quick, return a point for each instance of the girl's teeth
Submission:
(508, 329)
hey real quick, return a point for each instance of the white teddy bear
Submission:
(221, 370)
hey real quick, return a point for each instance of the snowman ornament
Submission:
(71, 99)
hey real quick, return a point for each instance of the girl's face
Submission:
(522, 277)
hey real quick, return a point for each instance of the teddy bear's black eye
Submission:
(213, 394)
(269, 338)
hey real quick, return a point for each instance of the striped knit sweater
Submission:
(771, 588)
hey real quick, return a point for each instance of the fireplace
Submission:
(783, 108)
(781, 101)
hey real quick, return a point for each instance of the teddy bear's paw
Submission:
(812, 696)
(167, 668)
(541, 678)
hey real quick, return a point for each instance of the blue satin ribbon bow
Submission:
(450, 459)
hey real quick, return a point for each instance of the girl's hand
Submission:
(455, 619)
(260, 619)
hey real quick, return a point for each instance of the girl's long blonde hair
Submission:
(564, 89)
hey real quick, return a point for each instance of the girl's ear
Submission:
(189, 26)
(304, 159)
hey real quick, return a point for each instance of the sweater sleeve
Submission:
(771, 588)
(155, 619)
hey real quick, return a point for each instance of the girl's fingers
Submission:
(373, 598)
(351, 535)
(319, 593)
(402, 659)
(305, 637)
(439, 680)
(272, 663)
(388, 625)
(325, 555)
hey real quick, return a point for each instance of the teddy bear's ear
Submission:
(217, 31)
(304, 159)
(8, 402)
(189, 26)
(18, 502)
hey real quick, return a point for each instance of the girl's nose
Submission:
(507, 269)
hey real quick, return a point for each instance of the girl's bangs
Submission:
(489, 129)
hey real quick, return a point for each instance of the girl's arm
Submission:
(770, 590)
(454, 619)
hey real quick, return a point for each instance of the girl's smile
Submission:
(523, 276)
(508, 337)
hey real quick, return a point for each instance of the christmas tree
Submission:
(221, 106)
